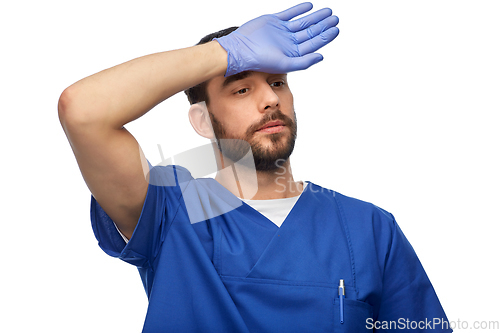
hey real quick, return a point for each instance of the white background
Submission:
(403, 112)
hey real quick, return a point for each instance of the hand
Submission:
(274, 44)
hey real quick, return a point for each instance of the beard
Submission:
(265, 158)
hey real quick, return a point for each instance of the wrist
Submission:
(220, 56)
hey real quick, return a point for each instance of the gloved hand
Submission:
(274, 44)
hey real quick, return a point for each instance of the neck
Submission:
(246, 183)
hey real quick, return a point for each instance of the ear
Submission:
(200, 120)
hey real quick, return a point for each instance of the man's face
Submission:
(257, 108)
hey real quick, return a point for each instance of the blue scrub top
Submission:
(239, 272)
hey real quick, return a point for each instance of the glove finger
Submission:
(306, 21)
(300, 63)
(294, 11)
(316, 29)
(318, 42)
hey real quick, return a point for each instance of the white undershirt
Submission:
(275, 210)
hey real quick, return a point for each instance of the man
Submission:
(252, 250)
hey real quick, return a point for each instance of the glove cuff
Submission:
(230, 45)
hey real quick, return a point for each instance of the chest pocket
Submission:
(285, 306)
(356, 316)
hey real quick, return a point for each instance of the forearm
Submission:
(125, 92)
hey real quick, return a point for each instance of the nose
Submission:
(269, 100)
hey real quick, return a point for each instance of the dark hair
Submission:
(198, 93)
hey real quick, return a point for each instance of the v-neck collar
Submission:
(249, 209)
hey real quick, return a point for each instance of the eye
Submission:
(277, 84)
(242, 91)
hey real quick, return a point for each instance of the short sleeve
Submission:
(162, 201)
(408, 297)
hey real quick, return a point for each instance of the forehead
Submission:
(236, 77)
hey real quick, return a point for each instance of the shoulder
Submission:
(358, 214)
(169, 175)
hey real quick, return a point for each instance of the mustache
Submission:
(276, 115)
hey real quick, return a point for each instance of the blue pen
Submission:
(341, 298)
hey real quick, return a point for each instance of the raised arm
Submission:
(94, 110)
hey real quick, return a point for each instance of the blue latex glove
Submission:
(274, 44)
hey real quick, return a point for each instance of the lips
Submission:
(272, 124)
